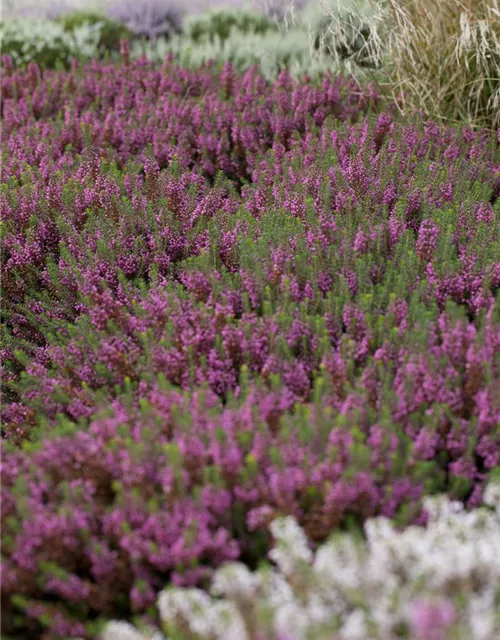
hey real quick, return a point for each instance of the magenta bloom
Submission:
(432, 619)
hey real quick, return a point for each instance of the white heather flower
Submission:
(235, 581)
(319, 611)
(276, 589)
(189, 605)
(124, 631)
(492, 496)
(227, 623)
(204, 616)
(483, 622)
(291, 620)
(360, 590)
(291, 550)
(355, 627)
(439, 508)
(341, 562)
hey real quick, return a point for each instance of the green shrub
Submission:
(222, 22)
(111, 31)
(305, 43)
(46, 42)
(272, 52)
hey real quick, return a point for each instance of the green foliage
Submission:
(306, 44)
(341, 29)
(219, 24)
(272, 51)
(111, 31)
(46, 42)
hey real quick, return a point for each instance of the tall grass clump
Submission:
(446, 58)
(440, 58)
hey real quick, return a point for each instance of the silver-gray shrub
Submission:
(292, 45)
(46, 42)
(149, 18)
(272, 52)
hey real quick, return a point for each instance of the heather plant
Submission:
(164, 488)
(225, 301)
(467, 281)
(439, 582)
(211, 118)
(332, 356)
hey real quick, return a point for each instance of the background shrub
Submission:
(48, 9)
(272, 52)
(300, 40)
(149, 18)
(47, 43)
(218, 24)
(110, 31)
(344, 30)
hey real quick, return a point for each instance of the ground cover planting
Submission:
(306, 595)
(240, 316)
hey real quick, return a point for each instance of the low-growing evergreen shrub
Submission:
(188, 355)
(229, 301)
(441, 581)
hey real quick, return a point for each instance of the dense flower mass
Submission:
(440, 582)
(211, 119)
(228, 301)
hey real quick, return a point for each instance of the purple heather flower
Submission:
(431, 620)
